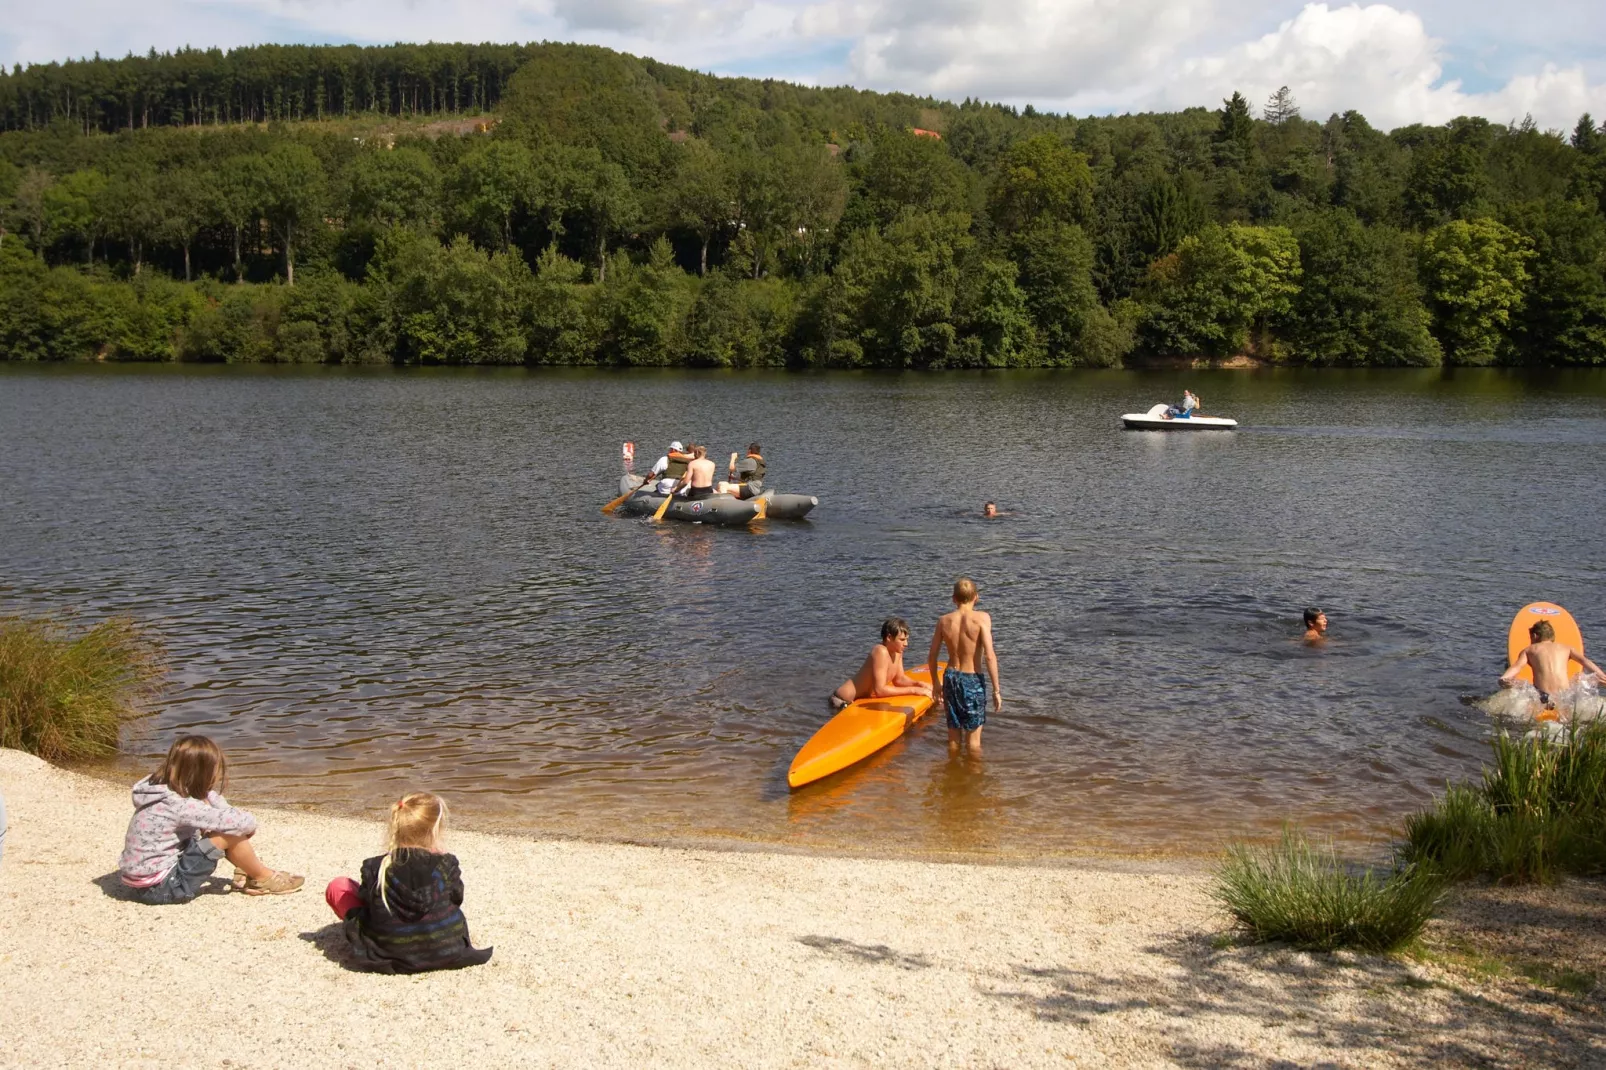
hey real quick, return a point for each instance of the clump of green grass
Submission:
(1539, 813)
(66, 691)
(1300, 894)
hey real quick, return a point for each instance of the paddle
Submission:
(617, 502)
(763, 508)
(663, 507)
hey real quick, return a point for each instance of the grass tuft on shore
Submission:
(1301, 894)
(66, 691)
(1540, 813)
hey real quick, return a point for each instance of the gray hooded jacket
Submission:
(163, 824)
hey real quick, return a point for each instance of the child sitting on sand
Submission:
(407, 914)
(182, 827)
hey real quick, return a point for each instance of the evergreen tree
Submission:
(1281, 107)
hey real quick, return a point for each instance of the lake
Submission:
(378, 580)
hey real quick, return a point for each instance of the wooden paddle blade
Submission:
(663, 507)
(616, 503)
(763, 508)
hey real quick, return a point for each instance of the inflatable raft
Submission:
(719, 509)
(1155, 420)
(858, 731)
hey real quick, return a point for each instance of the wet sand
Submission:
(618, 955)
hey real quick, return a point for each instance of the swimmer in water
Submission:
(990, 509)
(1315, 626)
(882, 675)
(1548, 659)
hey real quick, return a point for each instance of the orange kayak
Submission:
(1566, 632)
(861, 729)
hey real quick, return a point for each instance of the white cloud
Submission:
(1380, 61)
(1079, 56)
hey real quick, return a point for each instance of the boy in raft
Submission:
(699, 477)
(1548, 659)
(882, 675)
(747, 475)
(966, 632)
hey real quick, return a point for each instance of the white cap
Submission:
(676, 446)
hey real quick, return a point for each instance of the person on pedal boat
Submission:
(747, 475)
(1185, 410)
(669, 468)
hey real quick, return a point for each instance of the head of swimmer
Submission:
(990, 509)
(1542, 632)
(965, 592)
(1315, 621)
(895, 634)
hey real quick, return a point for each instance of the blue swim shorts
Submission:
(965, 696)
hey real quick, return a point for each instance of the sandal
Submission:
(276, 883)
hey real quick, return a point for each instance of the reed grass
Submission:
(1539, 813)
(66, 691)
(1301, 894)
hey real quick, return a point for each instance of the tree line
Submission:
(617, 210)
(192, 87)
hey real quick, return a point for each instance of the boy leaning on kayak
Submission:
(967, 633)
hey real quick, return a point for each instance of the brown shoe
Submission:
(277, 883)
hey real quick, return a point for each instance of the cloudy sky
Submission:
(1420, 62)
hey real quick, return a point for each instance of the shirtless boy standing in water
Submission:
(966, 633)
(882, 675)
(1548, 659)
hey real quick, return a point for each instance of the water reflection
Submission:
(374, 580)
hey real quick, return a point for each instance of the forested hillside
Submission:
(567, 204)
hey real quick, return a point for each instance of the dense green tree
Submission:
(1475, 272)
(1360, 301)
(74, 206)
(452, 304)
(1041, 178)
(1586, 139)
(1221, 285)
(700, 198)
(1234, 140)
(642, 309)
(401, 187)
(1168, 212)
(183, 209)
(28, 205)
(907, 171)
(291, 191)
(995, 327)
(561, 328)
(132, 207)
(1563, 313)
(1448, 179)
(491, 184)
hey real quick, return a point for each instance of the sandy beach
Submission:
(611, 955)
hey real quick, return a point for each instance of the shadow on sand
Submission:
(1345, 1003)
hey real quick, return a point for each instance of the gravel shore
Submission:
(611, 955)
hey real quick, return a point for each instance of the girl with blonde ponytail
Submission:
(406, 914)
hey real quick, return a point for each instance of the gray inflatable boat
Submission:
(722, 509)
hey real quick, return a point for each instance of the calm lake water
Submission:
(372, 581)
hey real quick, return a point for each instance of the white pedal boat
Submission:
(1155, 420)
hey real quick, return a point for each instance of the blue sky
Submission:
(1397, 63)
